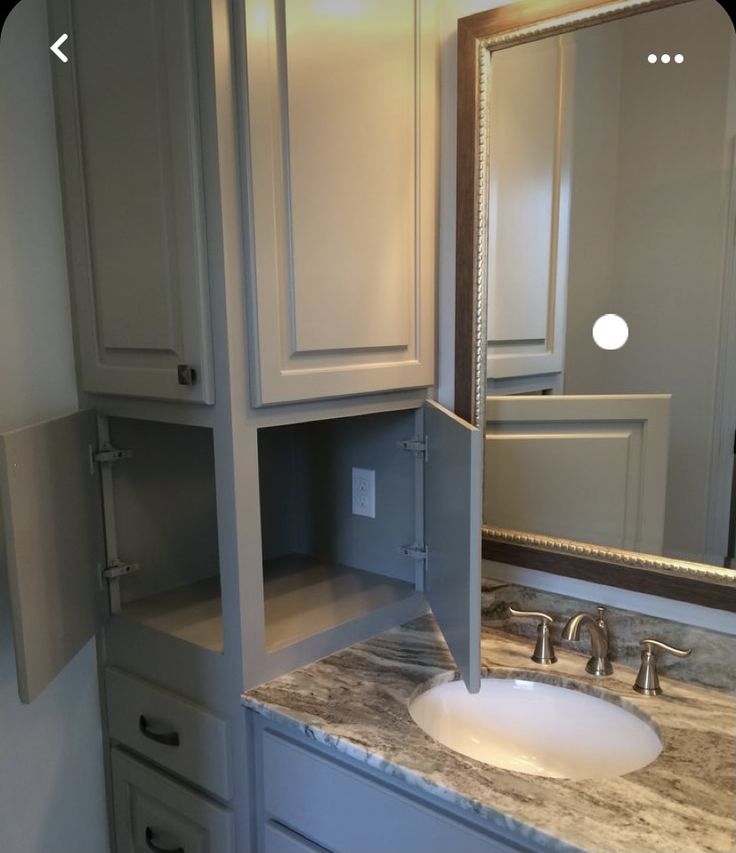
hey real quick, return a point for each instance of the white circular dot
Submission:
(679, 58)
(610, 331)
(652, 58)
(665, 58)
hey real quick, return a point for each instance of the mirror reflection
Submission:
(611, 367)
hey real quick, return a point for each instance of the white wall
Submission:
(596, 123)
(647, 233)
(51, 778)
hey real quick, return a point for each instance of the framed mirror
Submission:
(596, 289)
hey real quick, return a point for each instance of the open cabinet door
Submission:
(452, 534)
(52, 514)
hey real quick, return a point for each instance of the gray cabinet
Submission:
(342, 165)
(85, 522)
(278, 838)
(326, 568)
(329, 577)
(157, 815)
(181, 276)
(128, 122)
(339, 164)
(314, 797)
(327, 573)
(166, 729)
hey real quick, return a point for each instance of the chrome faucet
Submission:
(599, 663)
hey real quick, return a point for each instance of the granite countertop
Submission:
(356, 702)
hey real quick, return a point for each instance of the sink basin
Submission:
(538, 728)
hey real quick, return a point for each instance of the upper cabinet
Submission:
(342, 141)
(129, 139)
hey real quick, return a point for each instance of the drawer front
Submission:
(154, 813)
(279, 839)
(347, 812)
(168, 730)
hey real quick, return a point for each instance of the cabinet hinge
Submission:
(416, 552)
(112, 454)
(117, 569)
(414, 445)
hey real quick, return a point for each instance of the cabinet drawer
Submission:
(347, 812)
(171, 731)
(279, 839)
(154, 813)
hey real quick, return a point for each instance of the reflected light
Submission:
(610, 332)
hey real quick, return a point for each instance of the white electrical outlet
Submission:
(364, 492)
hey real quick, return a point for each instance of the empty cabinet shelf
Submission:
(192, 612)
(306, 596)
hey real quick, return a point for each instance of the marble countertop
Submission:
(356, 701)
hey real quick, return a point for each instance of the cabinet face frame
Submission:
(283, 368)
(478, 36)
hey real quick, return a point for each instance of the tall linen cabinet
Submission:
(250, 202)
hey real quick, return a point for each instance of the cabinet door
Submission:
(343, 169)
(452, 534)
(128, 128)
(52, 514)
(154, 813)
(280, 839)
(591, 468)
(531, 89)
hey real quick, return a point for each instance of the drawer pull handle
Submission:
(166, 738)
(151, 844)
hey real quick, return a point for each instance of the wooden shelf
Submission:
(192, 613)
(305, 596)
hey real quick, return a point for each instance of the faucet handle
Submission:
(602, 623)
(647, 681)
(544, 652)
(514, 610)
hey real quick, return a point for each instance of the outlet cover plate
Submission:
(364, 492)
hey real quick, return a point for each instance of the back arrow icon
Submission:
(55, 48)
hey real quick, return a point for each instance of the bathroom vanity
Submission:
(340, 764)
(258, 478)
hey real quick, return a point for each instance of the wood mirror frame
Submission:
(478, 36)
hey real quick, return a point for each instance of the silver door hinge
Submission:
(118, 569)
(112, 454)
(414, 445)
(416, 552)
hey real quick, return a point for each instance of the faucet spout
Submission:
(599, 663)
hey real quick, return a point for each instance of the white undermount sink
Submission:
(538, 728)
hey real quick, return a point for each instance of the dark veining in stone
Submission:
(357, 702)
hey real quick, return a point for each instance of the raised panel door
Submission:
(343, 172)
(129, 138)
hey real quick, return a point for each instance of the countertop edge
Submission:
(498, 821)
